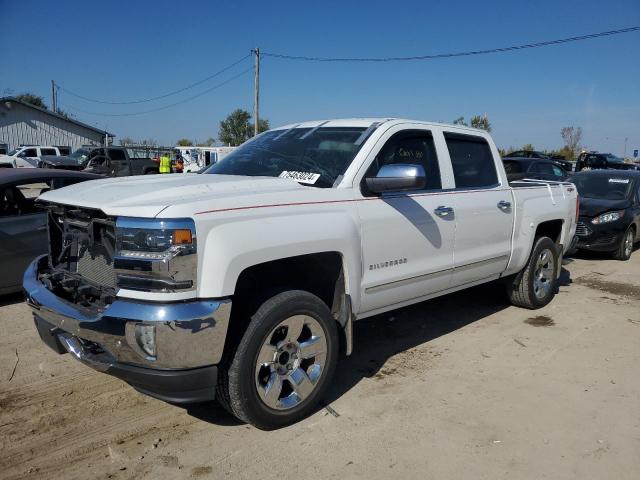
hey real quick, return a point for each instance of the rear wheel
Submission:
(625, 249)
(536, 285)
(284, 362)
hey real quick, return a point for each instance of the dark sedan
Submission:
(609, 211)
(23, 227)
(534, 168)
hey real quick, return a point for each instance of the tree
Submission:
(184, 142)
(572, 137)
(209, 142)
(64, 113)
(126, 141)
(481, 122)
(237, 127)
(528, 148)
(460, 121)
(263, 125)
(32, 99)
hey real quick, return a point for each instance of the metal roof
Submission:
(57, 115)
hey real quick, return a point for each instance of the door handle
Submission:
(504, 205)
(443, 211)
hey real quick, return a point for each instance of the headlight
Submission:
(608, 217)
(156, 255)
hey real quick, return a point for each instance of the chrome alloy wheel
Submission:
(290, 362)
(628, 243)
(543, 274)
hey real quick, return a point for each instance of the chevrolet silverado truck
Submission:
(242, 283)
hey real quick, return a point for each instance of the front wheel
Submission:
(625, 249)
(283, 363)
(536, 285)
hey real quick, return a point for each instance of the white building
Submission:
(24, 124)
(196, 158)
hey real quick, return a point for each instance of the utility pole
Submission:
(53, 97)
(256, 91)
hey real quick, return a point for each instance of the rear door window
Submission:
(472, 161)
(117, 155)
(512, 167)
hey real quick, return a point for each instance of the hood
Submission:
(148, 195)
(58, 159)
(592, 207)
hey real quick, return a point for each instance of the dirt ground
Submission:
(463, 386)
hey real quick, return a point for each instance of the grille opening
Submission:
(81, 250)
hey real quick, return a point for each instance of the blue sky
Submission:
(127, 50)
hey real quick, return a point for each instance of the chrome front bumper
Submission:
(188, 334)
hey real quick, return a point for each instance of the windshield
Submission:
(13, 152)
(603, 187)
(80, 156)
(613, 158)
(313, 156)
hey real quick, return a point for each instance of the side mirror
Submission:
(397, 177)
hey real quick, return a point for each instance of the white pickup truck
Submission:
(242, 282)
(27, 156)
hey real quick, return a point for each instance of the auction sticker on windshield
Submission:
(301, 177)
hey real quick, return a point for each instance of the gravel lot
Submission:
(463, 386)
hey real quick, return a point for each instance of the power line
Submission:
(199, 82)
(456, 54)
(215, 87)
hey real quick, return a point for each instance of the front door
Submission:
(407, 247)
(483, 208)
(23, 235)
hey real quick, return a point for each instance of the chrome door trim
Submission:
(480, 263)
(418, 278)
(407, 281)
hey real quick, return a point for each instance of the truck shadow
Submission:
(379, 338)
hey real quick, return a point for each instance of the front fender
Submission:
(235, 244)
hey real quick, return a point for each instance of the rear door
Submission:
(407, 247)
(120, 166)
(483, 210)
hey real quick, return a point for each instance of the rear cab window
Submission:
(117, 155)
(472, 161)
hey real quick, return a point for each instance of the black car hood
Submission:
(58, 159)
(592, 207)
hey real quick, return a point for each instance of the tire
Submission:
(151, 172)
(625, 249)
(536, 285)
(268, 382)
